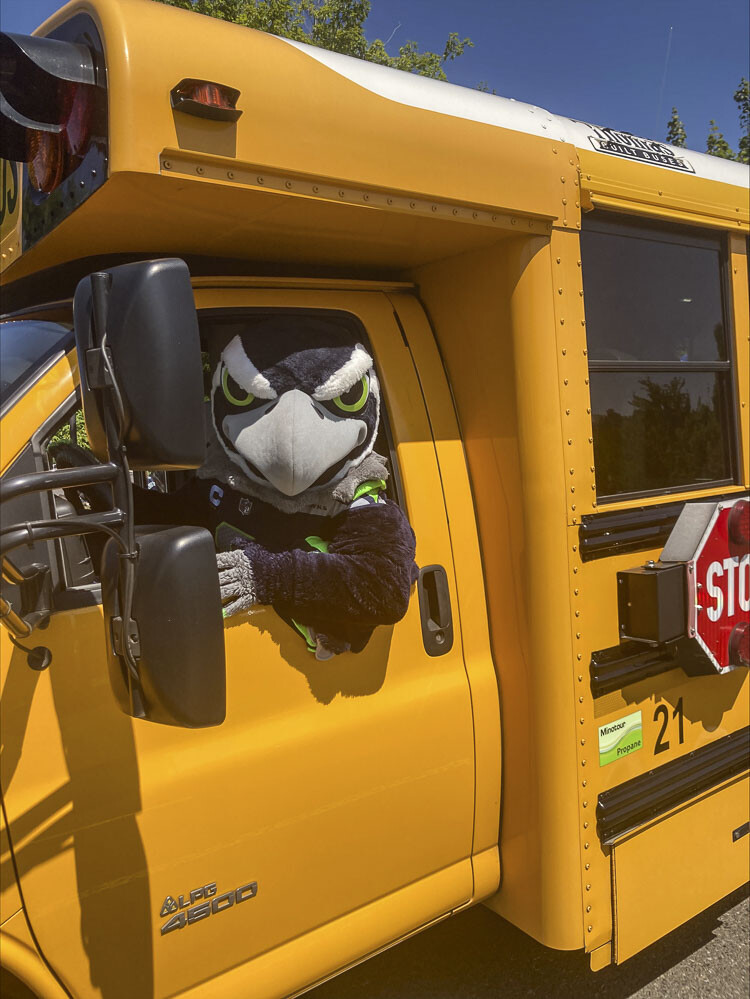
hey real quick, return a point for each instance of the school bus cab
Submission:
(558, 314)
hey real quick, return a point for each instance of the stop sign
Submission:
(719, 587)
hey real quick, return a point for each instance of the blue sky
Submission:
(599, 60)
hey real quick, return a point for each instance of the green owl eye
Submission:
(233, 392)
(354, 398)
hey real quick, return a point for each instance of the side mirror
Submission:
(142, 388)
(181, 665)
(138, 323)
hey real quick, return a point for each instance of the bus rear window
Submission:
(27, 346)
(659, 358)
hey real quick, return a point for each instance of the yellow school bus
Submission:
(558, 314)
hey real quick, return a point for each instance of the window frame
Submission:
(655, 230)
(54, 312)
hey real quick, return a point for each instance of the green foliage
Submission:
(62, 434)
(676, 135)
(336, 25)
(667, 439)
(716, 144)
(742, 99)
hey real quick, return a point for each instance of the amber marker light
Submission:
(54, 155)
(206, 100)
(47, 161)
(739, 644)
(738, 528)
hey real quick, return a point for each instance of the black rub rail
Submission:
(603, 534)
(643, 798)
(616, 667)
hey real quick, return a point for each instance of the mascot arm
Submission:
(364, 578)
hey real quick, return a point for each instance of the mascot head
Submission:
(295, 402)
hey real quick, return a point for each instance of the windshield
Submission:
(26, 345)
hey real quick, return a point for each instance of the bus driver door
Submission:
(331, 812)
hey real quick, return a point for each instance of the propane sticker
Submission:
(620, 737)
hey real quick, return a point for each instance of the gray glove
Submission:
(235, 582)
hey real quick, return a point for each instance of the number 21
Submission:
(662, 711)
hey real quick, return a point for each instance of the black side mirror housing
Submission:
(182, 669)
(153, 346)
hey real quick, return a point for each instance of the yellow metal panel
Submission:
(542, 452)
(10, 897)
(620, 185)
(677, 496)
(10, 213)
(580, 492)
(573, 375)
(21, 958)
(311, 149)
(468, 566)
(338, 945)
(740, 308)
(494, 317)
(136, 213)
(51, 391)
(675, 868)
(487, 873)
(289, 101)
(330, 784)
(601, 957)
(712, 706)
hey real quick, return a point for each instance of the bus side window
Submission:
(660, 360)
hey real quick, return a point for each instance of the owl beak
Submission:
(296, 441)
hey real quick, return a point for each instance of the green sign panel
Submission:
(620, 737)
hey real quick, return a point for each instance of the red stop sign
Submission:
(719, 574)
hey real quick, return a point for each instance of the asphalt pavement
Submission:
(478, 955)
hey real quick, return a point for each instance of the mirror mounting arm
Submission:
(35, 584)
(57, 478)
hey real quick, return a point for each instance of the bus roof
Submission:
(490, 109)
(334, 162)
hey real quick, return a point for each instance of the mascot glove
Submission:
(236, 582)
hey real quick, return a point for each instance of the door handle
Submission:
(435, 610)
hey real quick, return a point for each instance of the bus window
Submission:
(659, 361)
(27, 349)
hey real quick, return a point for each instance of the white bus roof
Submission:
(474, 105)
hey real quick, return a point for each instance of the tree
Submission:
(676, 135)
(336, 25)
(742, 99)
(716, 144)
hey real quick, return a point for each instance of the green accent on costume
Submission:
(372, 487)
(236, 530)
(354, 407)
(321, 546)
(306, 634)
(235, 401)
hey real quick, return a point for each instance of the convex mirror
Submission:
(144, 315)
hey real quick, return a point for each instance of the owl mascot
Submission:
(292, 489)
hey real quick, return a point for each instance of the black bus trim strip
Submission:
(616, 667)
(646, 797)
(619, 531)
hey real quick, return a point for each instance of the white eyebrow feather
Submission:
(347, 375)
(244, 372)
